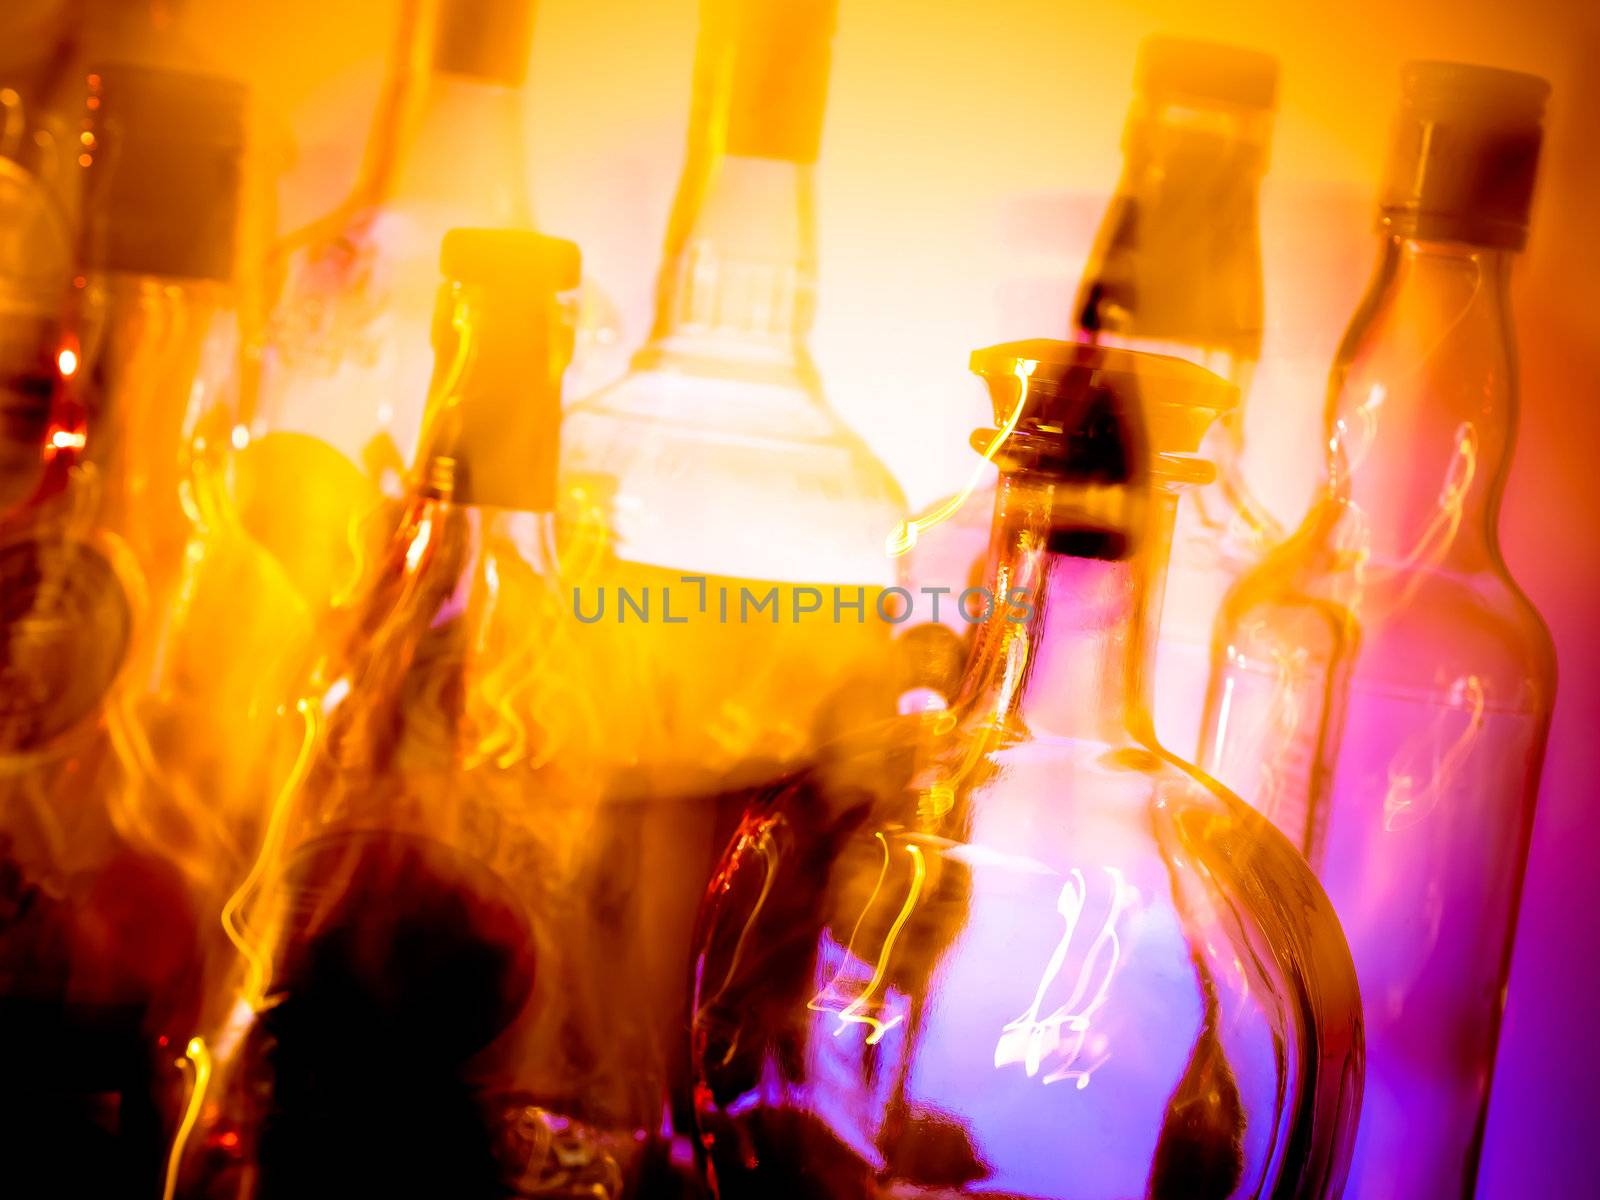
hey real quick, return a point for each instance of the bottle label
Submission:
(65, 625)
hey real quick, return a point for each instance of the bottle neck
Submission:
(448, 139)
(1066, 651)
(1176, 267)
(1422, 406)
(494, 416)
(739, 275)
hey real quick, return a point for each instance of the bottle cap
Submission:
(781, 53)
(486, 39)
(494, 436)
(1465, 154)
(1098, 414)
(1210, 72)
(164, 163)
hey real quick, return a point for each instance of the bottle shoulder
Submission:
(1411, 627)
(746, 479)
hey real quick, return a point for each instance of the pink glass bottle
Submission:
(1381, 687)
(1013, 949)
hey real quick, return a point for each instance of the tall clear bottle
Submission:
(113, 786)
(1176, 270)
(717, 457)
(430, 1000)
(1014, 948)
(342, 375)
(1382, 688)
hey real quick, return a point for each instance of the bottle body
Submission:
(1017, 1008)
(718, 458)
(438, 958)
(1011, 948)
(725, 555)
(35, 266)
(427, 948)
(1382, 692)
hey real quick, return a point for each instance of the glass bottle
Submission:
(716, 469)
(1013, 948)
(1382, 688)
(342, 378)
(35, 267)
(112, 829)
(1175, 269)
(429, 999)
(38, 219)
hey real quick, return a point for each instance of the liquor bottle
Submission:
(729, 491)
(431, 1002)
(1013, 948)
(1175, 269)
(38, 218)
(1382, 688)
(342, 379)
(111, 827)
(35, 267)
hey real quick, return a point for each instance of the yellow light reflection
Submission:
(199, 1059)
(851, 1014)
(255, 962)
(905, 537)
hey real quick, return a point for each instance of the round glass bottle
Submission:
(1014, 948)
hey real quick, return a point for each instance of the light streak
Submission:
(905, 537)
(419, 544)
(200, 1059)
(1404, 801)
(851, 1013)
(255, 963)
(1030, 1040)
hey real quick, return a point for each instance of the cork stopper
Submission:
(1465, 154)
(164, 165)
(485, 39)
(501, 346)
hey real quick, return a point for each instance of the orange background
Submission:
(970, 147)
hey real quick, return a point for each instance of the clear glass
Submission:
(1175, 270)
(717, 456)
(712, 478)
(434, 993)
(1014, 948)
(35, 269)
(1382, 691)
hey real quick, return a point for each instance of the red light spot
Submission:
(229, 1140)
